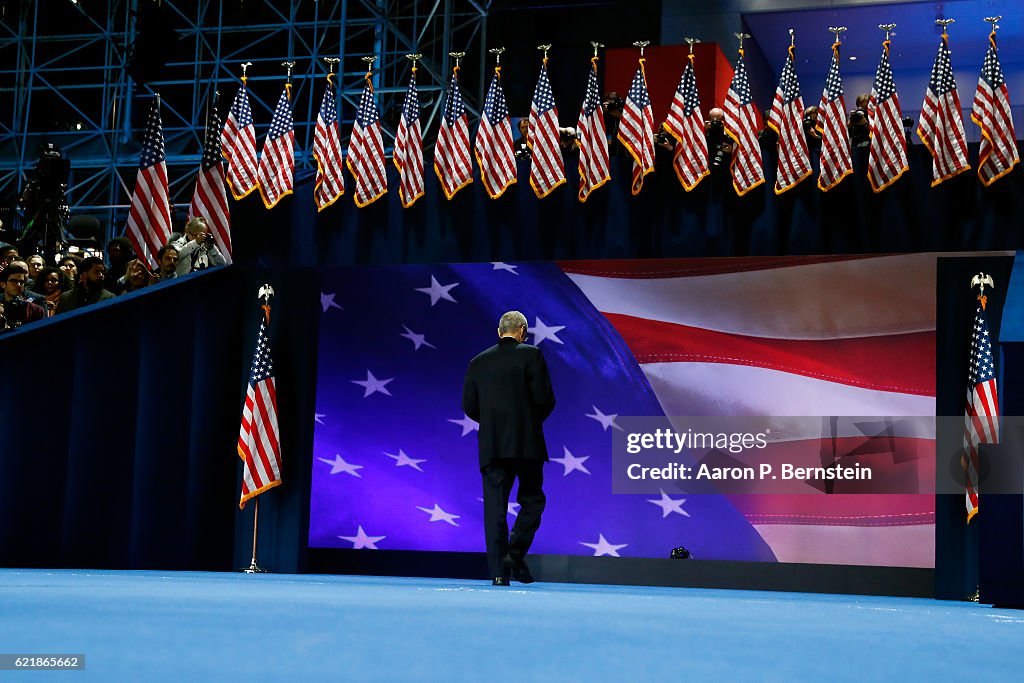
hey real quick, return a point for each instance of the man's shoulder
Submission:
(484, 354)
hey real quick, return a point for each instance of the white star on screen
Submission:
(570, 462)
(669, 505)
(500, 265)
(437, 291)
(339, 465)
(327, 301)
(417, 339)
(373, 385)
(468, 425)
(605, 420)
(542, 332)
(439, 515)
(403, 459)
(603, 547)
(317, 416)
(361, 540)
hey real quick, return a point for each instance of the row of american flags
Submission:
(940, 128)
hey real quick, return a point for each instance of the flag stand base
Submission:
(254, 568)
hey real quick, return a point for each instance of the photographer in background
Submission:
(613, 106)
(521, 146)
(812, 127)
(196, 249)
(719, 144)
(15, 309)
(858, 126)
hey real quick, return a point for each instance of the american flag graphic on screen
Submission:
(330, 169)
(836, 162)
(997, 154)
(452, 159)
(887, 155)
(593, 138)
(786, 118)
(149, 217)
(636, 128)
(547, 168)
(941, 126)
(838, 336)
(686, 124)
(409, 147)
(493, 145)
(238, 142)
(210, 199)
(276, 172)
(259, 438)
(741, 124)
(981, 416)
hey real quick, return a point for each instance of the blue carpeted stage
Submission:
(153, 626)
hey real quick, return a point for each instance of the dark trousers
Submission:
(498, 479)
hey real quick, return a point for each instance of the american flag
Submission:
(210, 199)
(330, 169)
(149, 218)
(981, 417)
(409, 147)
(786, 119)
(741, 125)
(276, 172)
(941, 126)
(366, 151)
(686, 125)
(547, 168)
(636, 128)
(452, 159)
(997, 154)
(655, 337)
(836, 162)
(259, 437)
(239, 144)
(493, 145)
(593, 137)
(887, 155)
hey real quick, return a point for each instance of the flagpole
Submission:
(266, 291)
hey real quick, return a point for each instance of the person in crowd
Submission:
(89, 289)
(135, 277)
(167, 260)
(812, 127)
(8, 253)
(51, 284)
(69, 266)
(29, 294)
(15, 309)
(507, 390)
(613, 105)
(35, 263)
(196, 248)
(119, 252)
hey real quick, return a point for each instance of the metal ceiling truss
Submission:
(64, 78)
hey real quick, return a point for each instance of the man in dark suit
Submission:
(508, 392)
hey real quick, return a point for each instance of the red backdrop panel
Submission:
(664, 67)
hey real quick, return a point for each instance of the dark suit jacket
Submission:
(508, 391)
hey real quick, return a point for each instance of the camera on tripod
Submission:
(45, 205)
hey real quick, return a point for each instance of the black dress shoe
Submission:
(499, 581)
(516, 566)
